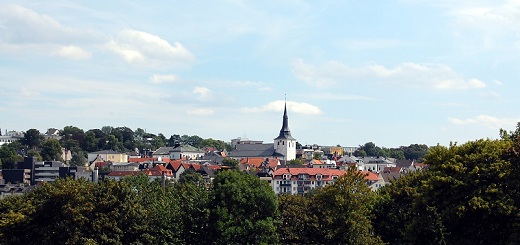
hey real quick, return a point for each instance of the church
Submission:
(283, 148)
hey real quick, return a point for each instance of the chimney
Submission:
(95, 175)
(163, 180)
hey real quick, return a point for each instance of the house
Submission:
(124, 166)
(302, 180)
(108, 155)
(10, 137)
(258, 163)
(177, 168)
(186, 152)
(374, 181)
(162, 152)
(158, 172)
(324, 163)
(52, 133)
(374, 164)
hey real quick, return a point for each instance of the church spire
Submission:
(285, 133)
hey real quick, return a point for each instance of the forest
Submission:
(469, 194)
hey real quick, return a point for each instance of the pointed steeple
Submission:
(285, 133)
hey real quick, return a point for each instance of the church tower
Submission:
(285, 144)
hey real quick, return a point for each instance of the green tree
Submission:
(342, 212)
(245, 210)
(230, 162)
(32, 138)
(9, 157)
(317, 155)
(415, 151)
(90, 142)
(465, 197)
(190, 176)
(34, 153)
(194, 206)
(297, 161)
(79, 158)
(295, 219)
(51, 150)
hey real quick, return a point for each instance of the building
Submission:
(285, 144)
(302, 180)
(47, 171)
(10, 137)
(283, 148)
(108, 155)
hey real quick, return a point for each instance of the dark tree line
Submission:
(411, 152)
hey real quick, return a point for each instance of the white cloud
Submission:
(486, 121)
(492, 95)
(137, 47)
(292, 107)
(203, 93)
(73, 52)
(158, 79)
(430, 76)
(25, 92)
(200, 112)
(25, 31)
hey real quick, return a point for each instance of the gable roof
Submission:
(186, 148)
(163, 151)
(253, 150)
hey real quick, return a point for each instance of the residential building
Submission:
(10, 137)
(302, 180)
(108, 155)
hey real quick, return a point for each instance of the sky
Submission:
(393, 73)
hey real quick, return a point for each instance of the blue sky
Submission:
(391, 72)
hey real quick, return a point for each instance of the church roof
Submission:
(253, 150)
(285, 133)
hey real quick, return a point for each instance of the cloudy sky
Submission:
(390, 72)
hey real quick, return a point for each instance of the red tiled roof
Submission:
(326, 173)
(371, 176)
(101, 164)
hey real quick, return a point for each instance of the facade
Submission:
(186, 152)
(47, 171)
(108, 155)
(11, 137)
(302, 180)
(285, 144)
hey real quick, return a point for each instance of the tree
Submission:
(317, 155)
(245, 210)
(9, 157)
(107, 130)
(190, 176)
(342, 212)
(465, 197)
(34, 153)
(51, 150)
(297, 161)
(415, 151)
(90, 142)
(295, 219)
(230, 162)
(32, 138)
(78, 159)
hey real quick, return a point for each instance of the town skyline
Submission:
(394, 73)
